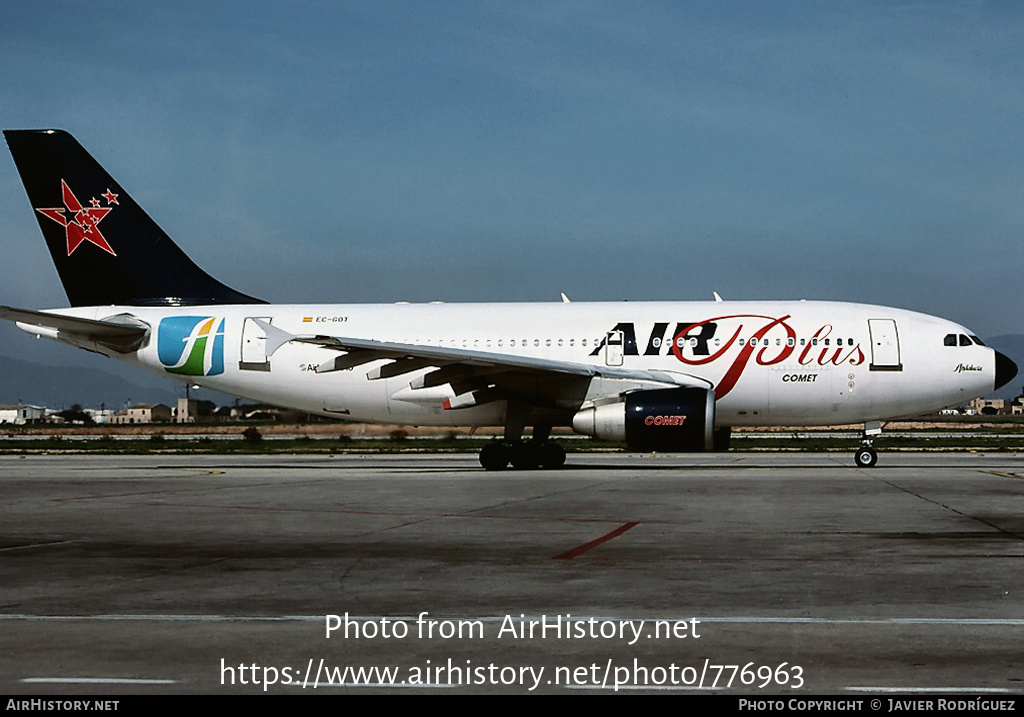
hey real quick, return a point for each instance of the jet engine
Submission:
(680, 420)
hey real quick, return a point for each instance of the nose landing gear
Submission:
(866, 457)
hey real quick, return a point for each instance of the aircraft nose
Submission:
(1005, 370)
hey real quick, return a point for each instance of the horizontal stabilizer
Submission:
(276, 338)
(122, 334)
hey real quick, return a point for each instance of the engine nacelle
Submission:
(669, 420)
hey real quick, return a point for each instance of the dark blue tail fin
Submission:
(106, 248)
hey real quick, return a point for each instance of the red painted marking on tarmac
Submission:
(580, 549)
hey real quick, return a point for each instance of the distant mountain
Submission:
(55, 375)
(57, 387)
(61, 386)
(1013, 346)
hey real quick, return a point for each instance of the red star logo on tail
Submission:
(80, 223)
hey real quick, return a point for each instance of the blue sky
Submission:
(351, 152)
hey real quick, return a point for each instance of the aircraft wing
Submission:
(117, 335)
(469, 371)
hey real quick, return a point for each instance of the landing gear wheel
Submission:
(865, 457)
(495, 456)
(552, 455)
(525, 455)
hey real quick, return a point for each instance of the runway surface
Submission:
(761, 573)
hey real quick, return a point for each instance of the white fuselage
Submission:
(771, 363)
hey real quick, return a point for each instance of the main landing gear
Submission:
(524, 455)
(866, 457)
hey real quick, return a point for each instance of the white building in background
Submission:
(101, 415)
(143, 413)
(22, 414)
(988, 406)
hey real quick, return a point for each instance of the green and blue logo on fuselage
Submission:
(191, 346)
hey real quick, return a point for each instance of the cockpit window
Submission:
(964, 341)
(950, 340)
(976, 340)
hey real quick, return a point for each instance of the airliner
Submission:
(657, 376)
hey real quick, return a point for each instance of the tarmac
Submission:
(774, 574)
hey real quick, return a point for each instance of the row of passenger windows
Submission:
(681, 342)
(961, 340)
(501, 343)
